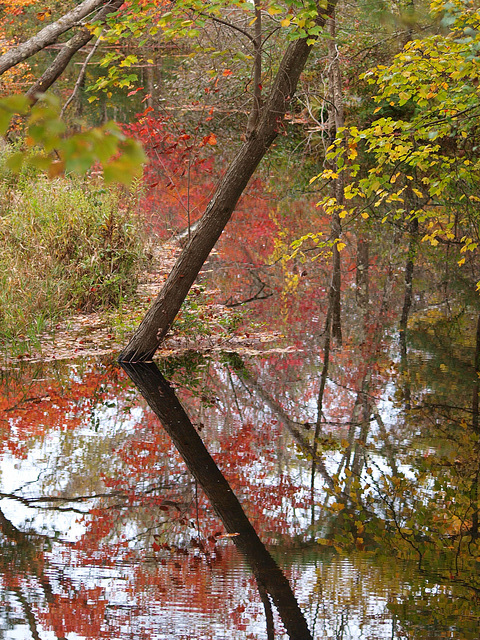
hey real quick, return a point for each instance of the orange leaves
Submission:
(134, 91)
(227, 72)
(42, 15)
(16, 7)
(210, 139)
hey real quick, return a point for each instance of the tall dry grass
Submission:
(65, 245)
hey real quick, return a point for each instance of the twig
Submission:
(81, 75)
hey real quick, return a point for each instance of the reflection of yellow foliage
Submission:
(291, 282)
(452, 525)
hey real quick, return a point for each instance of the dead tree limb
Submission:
(69, 49)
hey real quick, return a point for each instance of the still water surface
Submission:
(112, 529)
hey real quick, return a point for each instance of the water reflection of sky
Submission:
(330, 590)
(104, 568)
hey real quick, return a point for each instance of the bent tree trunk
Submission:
(161, 314)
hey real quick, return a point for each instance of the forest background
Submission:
(344, 140)
(380, 135)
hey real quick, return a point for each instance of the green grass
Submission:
(65, 246)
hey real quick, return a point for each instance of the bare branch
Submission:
(81, 76)
(230, 25)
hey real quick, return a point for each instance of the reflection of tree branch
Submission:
(390, 505)
(253, 298)
(65, 499)
(441, 405)
(162, 400)
(27, 549)
(353, 424)
(234, 393)
(247, 377)
(321, 393)
(55, 499)
(10, 530)
(29, 615)
(386, 439)
(407, 304)
(268, 611)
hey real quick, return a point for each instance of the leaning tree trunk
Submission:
(161, 314)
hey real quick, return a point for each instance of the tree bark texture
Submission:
(161, 314)
(338, 184)
(49, 34)
(69, 49)
(163, 401)
(257, 71)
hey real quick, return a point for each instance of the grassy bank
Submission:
(66, 246)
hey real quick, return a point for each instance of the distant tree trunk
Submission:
(338, 120)
(476, 382)
(257, 71)
(160, 316)
(361, 280)
(150, 85)
(333, 322)
(476, 429)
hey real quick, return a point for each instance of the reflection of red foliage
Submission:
(33, 407)
(178, 178)
(153, 496)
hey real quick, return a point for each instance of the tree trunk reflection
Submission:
(163, 401)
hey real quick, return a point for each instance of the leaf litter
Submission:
(106, 333)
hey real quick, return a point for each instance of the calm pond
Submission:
(258, 493)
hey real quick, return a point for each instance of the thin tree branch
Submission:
(68, 50)
(81, 75)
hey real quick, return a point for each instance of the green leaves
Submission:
(48, 147)
(10, 106)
